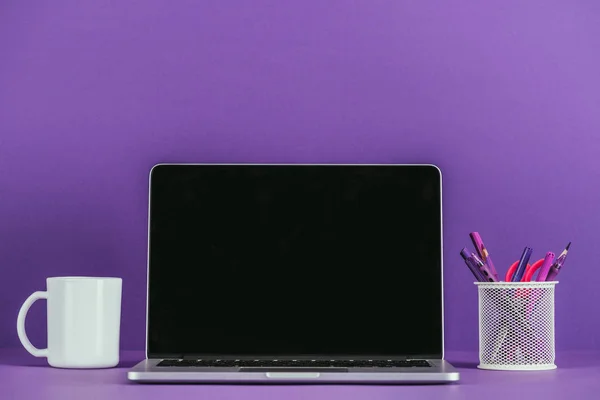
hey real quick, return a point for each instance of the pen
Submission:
(464, 253)
(485, 270)
(555, 268)
(545, 268)
(522, 265)
(483, 253)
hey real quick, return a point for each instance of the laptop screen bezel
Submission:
(162, 355)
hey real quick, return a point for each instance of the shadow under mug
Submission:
(84, 317)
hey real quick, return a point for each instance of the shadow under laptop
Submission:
(465, 364)
(463, 359)
(307, 383)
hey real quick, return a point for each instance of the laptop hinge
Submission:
(162, 356)
(208, 357)
(196, 357)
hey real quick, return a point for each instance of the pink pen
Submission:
(545, 268)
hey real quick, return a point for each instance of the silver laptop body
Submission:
(280, 273)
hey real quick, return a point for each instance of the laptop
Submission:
(295, 274)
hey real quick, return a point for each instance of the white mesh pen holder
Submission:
(516, 325)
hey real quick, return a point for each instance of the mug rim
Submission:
(83, 278)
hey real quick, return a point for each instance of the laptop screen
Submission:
(295, 260)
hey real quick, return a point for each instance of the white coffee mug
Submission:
(84, 318)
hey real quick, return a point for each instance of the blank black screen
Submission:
(295, 260)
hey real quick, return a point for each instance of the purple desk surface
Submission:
(23, 376)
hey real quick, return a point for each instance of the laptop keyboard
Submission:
(296, 363)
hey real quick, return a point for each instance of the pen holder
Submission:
(516, 325)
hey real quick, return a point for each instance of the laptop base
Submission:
(440, 371)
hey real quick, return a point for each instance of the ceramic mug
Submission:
(84, 317)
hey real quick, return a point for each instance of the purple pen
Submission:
(555, 268)
(488, 276)
(545, 268)
(464, 253)
(483, 253)
(522, 266)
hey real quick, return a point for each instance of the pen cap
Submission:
(464, 253)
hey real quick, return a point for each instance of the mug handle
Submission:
(21, 325)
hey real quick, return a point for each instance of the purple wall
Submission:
(503, 95)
